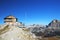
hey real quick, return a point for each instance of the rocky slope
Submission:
(15, 33)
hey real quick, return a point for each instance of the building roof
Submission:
(10, 16)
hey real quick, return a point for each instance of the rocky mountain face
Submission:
(53, 28)
(55, 24)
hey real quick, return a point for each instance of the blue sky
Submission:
(30, 11)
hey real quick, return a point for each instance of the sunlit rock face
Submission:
(10, 32)
(54, 24)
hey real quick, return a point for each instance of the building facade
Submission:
(10, 19)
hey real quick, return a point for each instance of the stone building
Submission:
(10, 19)
(13, 21)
